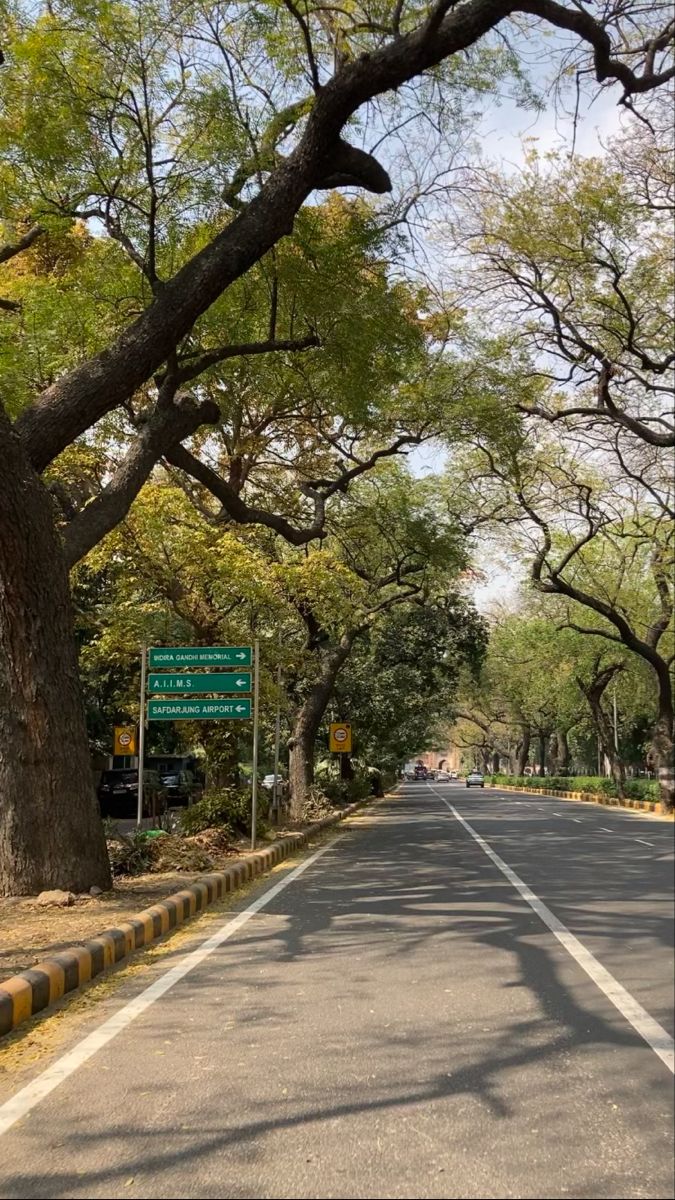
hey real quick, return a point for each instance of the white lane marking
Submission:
(644, 843)
(26, 1099)
(606, 830)
(653, 1033)
(578, 820)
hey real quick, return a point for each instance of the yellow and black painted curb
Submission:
(24, 995)
(593, 797)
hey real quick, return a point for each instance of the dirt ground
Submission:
(29, 932)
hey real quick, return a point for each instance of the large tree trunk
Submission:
(301, 761)
(563, 753)
(664, 757)
(308, 722)
(51, 834)
(523, 751)
(543, 739)
(594, 693)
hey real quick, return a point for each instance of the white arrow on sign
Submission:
(241, 708)
(242, 682)
(240, 655)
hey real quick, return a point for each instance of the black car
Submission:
(118, 793)
(181, 788)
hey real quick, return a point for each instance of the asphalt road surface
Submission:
(467, 994)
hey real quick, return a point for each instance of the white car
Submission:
(454, 775)
(268, 783)
(442, 776)
(475, 779)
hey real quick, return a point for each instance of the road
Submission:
(396, 1020)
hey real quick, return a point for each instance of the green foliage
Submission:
(227, 807)
(347, 791)
(402, 679)
(636, 789)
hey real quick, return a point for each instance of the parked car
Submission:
(420, 771)
(181, 788)
(117, 793)
(268, 783)
(442, 776)
(454, 775)
(475, 779)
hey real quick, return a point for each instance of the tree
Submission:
(403, 676)
(608, 555)
(109, 118)
(577, 271)
(390, 546)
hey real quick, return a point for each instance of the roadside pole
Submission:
(616, 725)
(254, 788)
(141, 736)
(277, 740)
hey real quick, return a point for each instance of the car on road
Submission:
(475, 779)
(181, 787)
(117, 793)
(442, 776)
(454, 775)
(420, 771)
(268, 783)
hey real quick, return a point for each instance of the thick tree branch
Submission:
(615, 415)
(236, 508)
(190, 367)
(76, 401)
(331, 486)
(169, 423)
(11, 249)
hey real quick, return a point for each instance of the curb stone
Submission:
(592, 797)
(30, 992)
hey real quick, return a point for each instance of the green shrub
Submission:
(229, 808)
(642, 789)
(347, 791)
(636, 789)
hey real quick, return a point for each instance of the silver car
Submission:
(475, 779)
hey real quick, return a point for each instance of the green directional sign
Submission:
(199, 710)
(183, 658)
(238, 682)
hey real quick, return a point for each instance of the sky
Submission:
(504, 134)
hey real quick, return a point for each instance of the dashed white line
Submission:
(653, 1033)
(644, 843)
(604, 827)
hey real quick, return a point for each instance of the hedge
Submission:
(636, 789)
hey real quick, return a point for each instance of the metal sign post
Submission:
(254, 787)
(141, 737)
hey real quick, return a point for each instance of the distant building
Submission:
(449, 759)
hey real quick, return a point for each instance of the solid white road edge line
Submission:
(653, 1033)
(21, 1104)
